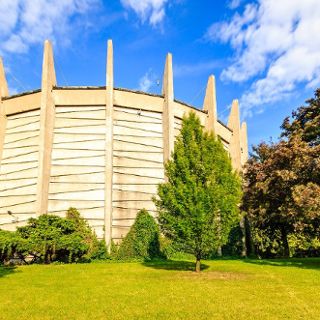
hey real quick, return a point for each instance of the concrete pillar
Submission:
(4, 92)
(239, 154)
(109, 146)
(168, 110)
(47, 115)
(210, 105)
(244, 144)
(235, 145)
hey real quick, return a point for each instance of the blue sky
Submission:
(266, 53)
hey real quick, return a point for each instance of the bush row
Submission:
(51, 238)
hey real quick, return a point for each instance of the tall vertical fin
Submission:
(234, 125)
(210, 105)
(168, 109)
(47, 117)
(109, 146)
(244, 144)
(4, 92)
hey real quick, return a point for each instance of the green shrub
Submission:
(101, 252)
(234, 245)
(142, 241)
(12, 245)
(114, 249)
(50, 238)
(304, 245)
(268, 244)
(86, 233)
(167, 248)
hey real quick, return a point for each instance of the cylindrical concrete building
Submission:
(98, 149)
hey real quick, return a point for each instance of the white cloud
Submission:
(152, 11)
(147, 81)
(234, 4)
(8, 15)
(276, 45)
(24, 23)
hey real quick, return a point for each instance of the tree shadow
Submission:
(5, 271)
(303, 263)
(174, 265)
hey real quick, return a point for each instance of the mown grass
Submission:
(226, 289)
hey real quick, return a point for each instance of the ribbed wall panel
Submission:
(177, 126)
(19, 169)
(78, 163)
(137, 165)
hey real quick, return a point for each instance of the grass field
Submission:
(226, 289)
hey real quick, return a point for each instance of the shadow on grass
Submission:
(303, 263)
(5, 271)
(173, 265)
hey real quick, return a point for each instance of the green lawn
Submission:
(226, 289)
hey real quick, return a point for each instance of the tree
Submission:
(198, 205)
(282, 192)
(305, 122)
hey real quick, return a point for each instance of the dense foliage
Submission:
(305, 122)
(142, 241)
(282, 194)
(11, 245)
(51, 238)
(198, 205)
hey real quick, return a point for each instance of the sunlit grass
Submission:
(226, 289)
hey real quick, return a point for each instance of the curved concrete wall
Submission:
(99, 149)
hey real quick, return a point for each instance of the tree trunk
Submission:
(219, 249)
(285, 243)
(249, 242)
(243, 238)
(46, 257)
(198, 265)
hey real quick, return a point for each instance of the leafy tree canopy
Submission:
(282, 195)
(198, 205)
(305, 122)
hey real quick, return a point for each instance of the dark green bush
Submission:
(234, 246)
(12, 245)
(142, 241)
(101, 252)
(86, 233)
(51, 238)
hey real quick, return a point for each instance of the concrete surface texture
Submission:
(98, 149)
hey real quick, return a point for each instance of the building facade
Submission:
(99, 149)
